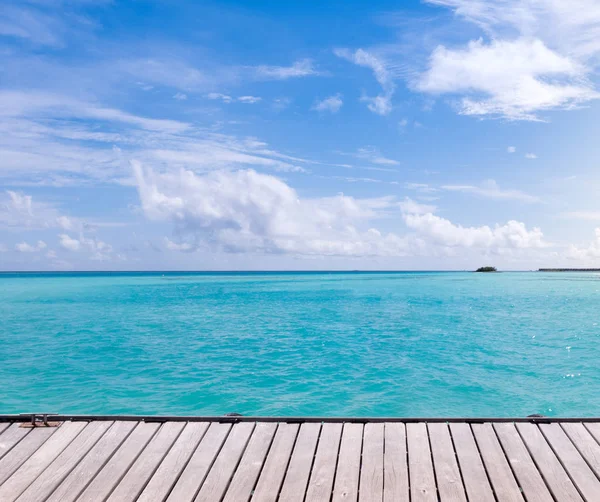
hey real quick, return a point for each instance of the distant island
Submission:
(486, 269)
(569, 270)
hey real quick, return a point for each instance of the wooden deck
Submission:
(237, 460)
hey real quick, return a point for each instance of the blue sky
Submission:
(441, 134)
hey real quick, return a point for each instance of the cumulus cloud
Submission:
(24, 247)
(538, 57)
(586, 254)
(246, 211)
(249, 99)
(180, 96)
(382, 103)
(530, 156)
(511, 149)
(513, 234)
(331, 104)
(97, 249)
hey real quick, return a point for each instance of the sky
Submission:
(299, 135)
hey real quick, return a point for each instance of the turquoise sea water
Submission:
(362, 344)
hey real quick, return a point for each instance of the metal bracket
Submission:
(38, 420)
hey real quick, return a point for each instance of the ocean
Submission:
(405, 344)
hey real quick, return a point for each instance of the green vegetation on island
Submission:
(486, 269)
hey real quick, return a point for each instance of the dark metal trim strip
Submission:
(237, 419)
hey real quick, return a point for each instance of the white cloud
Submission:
(512, 79)
(97, 249)
(586, 254)
(229, 99)
(249, 99)
(331, 104)
(539, 57)
(69, 243)
(301, 68)
(512, 235)
(180, 96)
(491, 190)
(403, 123)
(381, 104)
(245, 211)
(511, 149)
(530, 156)
(372, 155)
(24, 247)
(217, 95)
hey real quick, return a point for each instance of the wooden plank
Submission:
(219, 476)
(554, 474)
(496, 465)
(251, 463)
(143, 468)
(197, 468)
(275, 466)
(420, 467)
(594, 430)
(585, 443)
(323, 472)
(371, 472)
(348, 469)
(526, 472)
(46, 482)
(11, 437)
(3, 427)
(447, 473)
(170, 468)
(298, 471)
(473, 472)
(38, 461)
(23, 450)
(118, 465)
(577, 468)
(91, 464)
(395, 466)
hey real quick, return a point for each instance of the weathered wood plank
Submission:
(348, 469)
(171, 467)
(395, 467)
(526, 472)
(3, 427)
(554, 474)
(38, 461)
(251, 463)
(23, 450)
(323, 472)
(420, 467)
(298, 471)
(11, 437)
(273, 472)
(58, 470)
(114, 470)
(577, 468)
(142, 469)
(447, 473)
(197, 468)
(91, 464)
(371, 470)
(220, 474)
(594, 430)
(496, 464)
(585, 443)
(473, 472)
